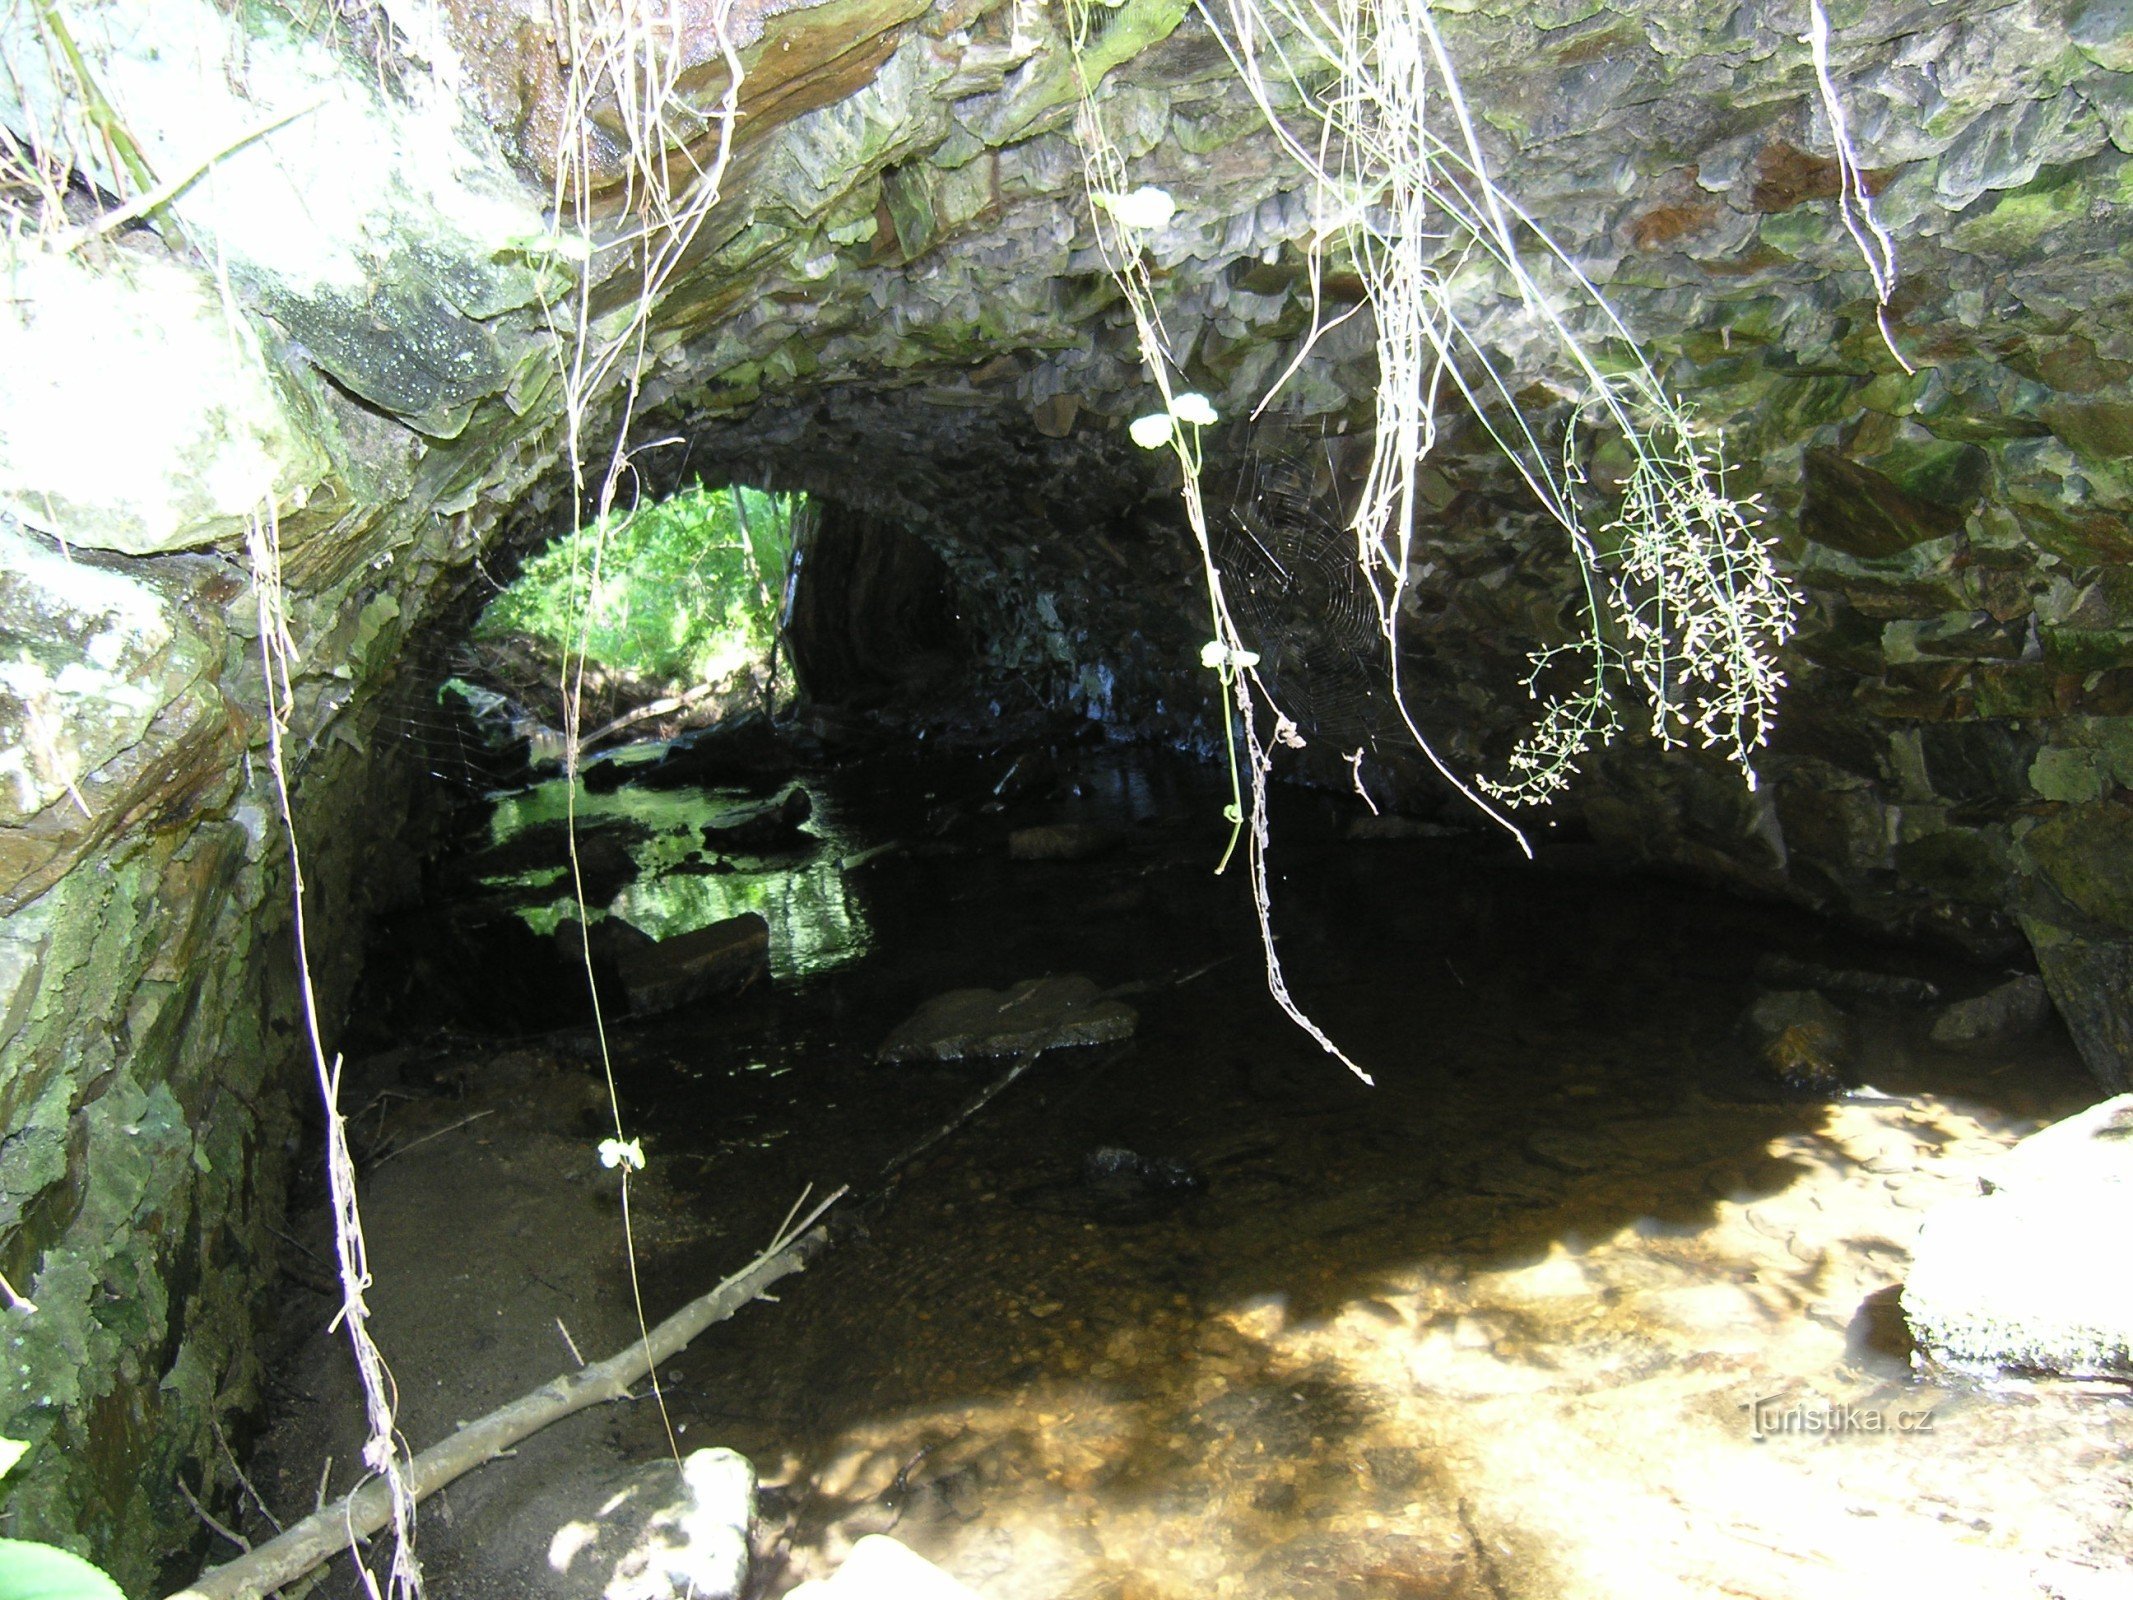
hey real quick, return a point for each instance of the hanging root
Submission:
(1683, 602)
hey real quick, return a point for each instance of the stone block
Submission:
(2091, 982)
(2009, 1010)
(1039, 1014)
(140, 349)
(1863, 513)
(1803, 1038)
(2086, 853)
(721, 958)
(2010, 1280)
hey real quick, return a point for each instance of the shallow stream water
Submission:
(1564, 1306)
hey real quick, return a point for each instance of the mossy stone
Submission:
(1961, 863)
(2086, 853)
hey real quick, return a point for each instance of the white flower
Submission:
(1147, 208)
(1193, 408)
(1213, 654)
(614, 1153)
(1151, 432)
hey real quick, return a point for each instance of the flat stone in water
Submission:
(2018, 1278)
(727, 955)
(1036, 1014)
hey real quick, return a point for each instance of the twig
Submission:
(427, 1137)
(328, 1530)
(208, 1517)
(95, 107)
(572, 1344)
(651, 708)
(231, 1456)
(163, 193)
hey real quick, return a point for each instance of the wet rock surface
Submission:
(2005, 1281)
(660, 974)
(1803, 1040)
(1037, 1014)
(2010, 1010)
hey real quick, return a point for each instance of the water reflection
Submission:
(818, 922)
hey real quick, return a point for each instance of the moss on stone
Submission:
(2086, 853)
(2017, 221)
(1961, 863)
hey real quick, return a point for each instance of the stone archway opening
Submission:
(661, 617)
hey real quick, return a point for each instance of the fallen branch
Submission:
(651, 708)
(332, 1529)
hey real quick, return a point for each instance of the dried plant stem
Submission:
(629, 51)
(1104, 174)
(383, 1451)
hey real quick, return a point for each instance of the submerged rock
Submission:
(695, 1548)
(1038, 1014)
(1803, 1038)
(2011, 1010)
(2021, 1277)
(1118, 1185)
(721, 958)
(1060, 841)
(881, 1568)
(768, 830)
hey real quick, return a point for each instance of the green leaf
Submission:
(11, 1451)
(42, 1572)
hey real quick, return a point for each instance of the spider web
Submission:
(1289, 572)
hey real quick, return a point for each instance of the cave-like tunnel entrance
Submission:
(831, 649)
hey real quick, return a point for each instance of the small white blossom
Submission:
(1217, 657)
(1147, 208)
(1151, 432)
(1194, 408)
(614, 1153)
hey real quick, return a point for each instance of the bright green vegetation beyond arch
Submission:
(684, 591)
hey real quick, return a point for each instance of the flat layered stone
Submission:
(1038, 1014)
(2021, 1277)
(720, 958)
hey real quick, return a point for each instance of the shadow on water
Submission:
(1390, 1340)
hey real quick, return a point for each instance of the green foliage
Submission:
(32, 1571)
(684, 591)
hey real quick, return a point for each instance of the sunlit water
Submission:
(1565, 1307)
